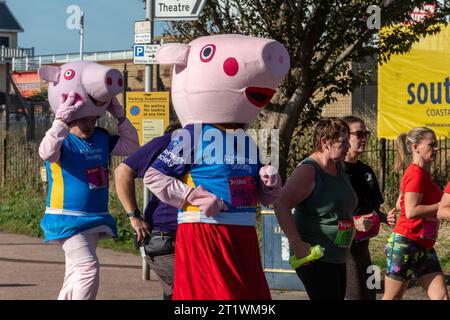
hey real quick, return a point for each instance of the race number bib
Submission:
(97, 178)
(346, 232)
(243, 192)
(429, 229)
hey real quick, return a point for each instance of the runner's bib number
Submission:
(97, 178)
(429, 229)
(346, 232)
(243, 192)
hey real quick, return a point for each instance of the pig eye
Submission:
(207, 52)
(69, 74)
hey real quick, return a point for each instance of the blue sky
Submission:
(109, 24)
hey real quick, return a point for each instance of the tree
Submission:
(323, 38)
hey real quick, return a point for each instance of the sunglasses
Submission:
(361, 134)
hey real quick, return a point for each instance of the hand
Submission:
(301, 250)
(116, 109)
(209, 203)
(67, 107)
(364, 223)
(316, 252)
(269, 176)
(141, 228)
(391, 217)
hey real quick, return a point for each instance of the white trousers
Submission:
(82, 279)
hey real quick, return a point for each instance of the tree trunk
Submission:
(285, 120)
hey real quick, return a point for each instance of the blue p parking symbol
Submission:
(139, 51)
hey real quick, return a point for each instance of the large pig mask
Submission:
(94, 84)
(224, 78)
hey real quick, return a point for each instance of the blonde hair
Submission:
(404, 144)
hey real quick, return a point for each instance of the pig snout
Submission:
(273, 60)
(102, 83)
(276, 58)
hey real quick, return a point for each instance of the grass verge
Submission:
(21, 209)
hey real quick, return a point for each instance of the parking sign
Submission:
(139, 51)
(145, 54)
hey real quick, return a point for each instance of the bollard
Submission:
(145, 270)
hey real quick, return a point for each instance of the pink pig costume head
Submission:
(93, 83)
(224, 78)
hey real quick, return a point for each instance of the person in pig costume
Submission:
(220, 83)
(77, 160)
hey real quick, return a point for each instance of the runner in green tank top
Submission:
(324, 202)
(330, 204)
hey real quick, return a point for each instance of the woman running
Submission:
(409, 250)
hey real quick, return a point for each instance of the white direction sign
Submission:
(142, 32)
(145, 54)
(178, 9)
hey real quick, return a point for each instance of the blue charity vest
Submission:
(77, 197)
(217, 165)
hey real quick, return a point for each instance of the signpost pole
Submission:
(145, 51)
(148, 88)
(81, 34)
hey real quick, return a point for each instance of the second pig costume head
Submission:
(93, 84)
(224, 78)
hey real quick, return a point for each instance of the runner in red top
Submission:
(422, 230)
(410, 247)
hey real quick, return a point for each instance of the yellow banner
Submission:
(149, 113)
(414, 88)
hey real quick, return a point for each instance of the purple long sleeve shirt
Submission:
(158, 214)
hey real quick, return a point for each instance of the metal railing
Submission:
(14, 53)
(27, 64)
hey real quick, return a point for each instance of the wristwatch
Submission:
(136, 213)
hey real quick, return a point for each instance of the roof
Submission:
(7, 20)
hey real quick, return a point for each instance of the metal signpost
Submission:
(144, 53)
(145, 50)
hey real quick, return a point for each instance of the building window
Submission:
(4, 41)
(140, 75)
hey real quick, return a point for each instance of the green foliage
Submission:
(22, 208)
(324, 38)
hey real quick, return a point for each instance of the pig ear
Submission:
(173, 53)
(49, 73)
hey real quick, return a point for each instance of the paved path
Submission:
(30, 269)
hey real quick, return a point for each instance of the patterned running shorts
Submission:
(406, 258)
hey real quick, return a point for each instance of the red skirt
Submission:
(218, 262)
